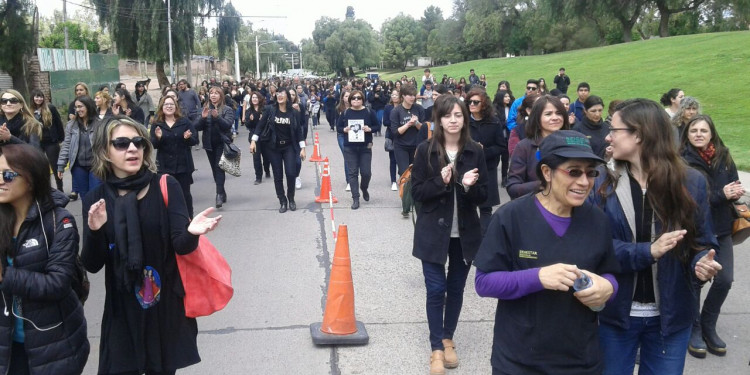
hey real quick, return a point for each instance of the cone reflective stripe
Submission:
(325, 186)
(316, 151)
(339, 326)
(339, 315)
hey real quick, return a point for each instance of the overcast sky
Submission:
(301, 14)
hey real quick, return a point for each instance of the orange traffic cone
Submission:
(325, 186)
(339, 325)
(316, 151)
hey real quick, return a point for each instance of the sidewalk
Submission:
(745, 179)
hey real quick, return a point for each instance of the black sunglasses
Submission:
(123, 143)
(356, 98)
(9, 176)
(576, 173)
(475, 102)
(531, 88)
(10, 100)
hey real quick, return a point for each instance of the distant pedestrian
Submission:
(577, 108)
(671, 100)
(53, 132)
(253, 113)
(76, 149)
(358, 148)
(80, 89)
(144, 101)
(562, 81)
(406, 120)
(215, 121)
(593, 126)
(123, 104)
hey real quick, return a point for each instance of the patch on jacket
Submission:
(527, 254)
(67, 223)
(32, 242)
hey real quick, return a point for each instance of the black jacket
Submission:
(722, 212)
(267, 121)
(175, 155)
(489, 132)
(55, 133)
(595, 132)
(41, 278)
(214, 127)
(378, 103)
(435, 217)
(16, 134)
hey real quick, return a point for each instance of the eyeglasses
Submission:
(475, 102)
(6, 101)
(168, 105)
(356, 98)
(577, 173)
(123, 143)
(9, 176)
(531, 88)
(613, 130)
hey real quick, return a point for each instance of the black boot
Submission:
(696, 345)
(283, 207)
(714, 343)
(292, 205)
(365, 195)
(223, 197)
(219, 201)
(355, 204)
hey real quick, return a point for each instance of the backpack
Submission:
(80, 283)
(408, 205)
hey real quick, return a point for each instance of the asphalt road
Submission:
(280, 268)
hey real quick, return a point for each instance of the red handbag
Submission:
(206, 276)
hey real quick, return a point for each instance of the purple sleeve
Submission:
(612, 280)
(508, 284)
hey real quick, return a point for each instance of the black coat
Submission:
(55, 133)
(489, 132)
(17, 135)
(722, 212)
(434, 219)
(216, 129)
(175, 155)
(41, 277)
(378, 103)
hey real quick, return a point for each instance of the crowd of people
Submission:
(631, 213)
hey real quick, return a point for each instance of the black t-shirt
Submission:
(547, 332)
(399, 117)
(283, 123)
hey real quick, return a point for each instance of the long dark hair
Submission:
(45, 115)
(31, 165)
(666, 171)
(443, 106)
(91, 110)
(534, 125)
(125, 95)
(722, 156)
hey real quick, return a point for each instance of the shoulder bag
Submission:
(741, 225)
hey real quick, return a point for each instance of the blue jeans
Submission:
(379, 115)
(341, 138)
(392, 165)
(83, 180)
(660, 355)
(445, 294)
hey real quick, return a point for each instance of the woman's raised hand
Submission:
(707, 267)
(666, 242)
(470, 178)
(447, 173)
(97, 215)
(203, 224)
(157, 132)
(559, 276)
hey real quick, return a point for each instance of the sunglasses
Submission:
(577, 173)
(123, 143)
(356, 98)
(10, 100)
(531, 88)
(475, 102)
(9, 176)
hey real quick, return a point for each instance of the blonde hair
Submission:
(30, 125)
(102, 166)
(221, 98)
(104, 96)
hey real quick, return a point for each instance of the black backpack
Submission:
(80, 283)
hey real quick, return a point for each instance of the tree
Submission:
(78, 36)
(669, 7)
(402, 40)
(139, 28)
(488, 25)
(312, 58)
(229, 28)
(16, 40)
(445, 43)
(347, 44)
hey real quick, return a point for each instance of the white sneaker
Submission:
(348, 188)
(298, 183)
(394, 186)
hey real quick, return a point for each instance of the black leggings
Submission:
(219, 176)
(404, 157)
(52, 150)
(284, 162)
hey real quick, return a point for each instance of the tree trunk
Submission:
(351, 72)
(189, 69)
(664, 15)
(161, 77)
(627, 31)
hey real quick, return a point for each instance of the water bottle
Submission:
(585, 282)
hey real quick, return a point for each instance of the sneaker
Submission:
(298, 183)
(394, 186)
(73, 196)
(348, 188)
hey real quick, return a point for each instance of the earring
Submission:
(548, 190)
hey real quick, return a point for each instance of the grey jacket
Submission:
(69, 148)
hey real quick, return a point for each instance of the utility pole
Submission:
(65, 19)
(237, 61)
(257, 58)
(169, 29)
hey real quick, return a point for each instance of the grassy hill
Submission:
(715, 68)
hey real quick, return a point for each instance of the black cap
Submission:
(568, 144)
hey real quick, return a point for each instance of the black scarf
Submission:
(128, 263)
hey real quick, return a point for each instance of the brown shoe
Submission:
(451, 358)
(437, 363)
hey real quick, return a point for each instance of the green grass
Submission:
(715, 68)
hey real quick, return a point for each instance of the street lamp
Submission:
(257, 55)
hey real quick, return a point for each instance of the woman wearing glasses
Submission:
(488, 132)
(43, 330)
(17, 124)
(52, 131)
(547, 116)
(546, 321)
(661, 230)
(358, 147)
(285, 146)
(216, 122)
(76, 149)
(173, 135)
(130, 231)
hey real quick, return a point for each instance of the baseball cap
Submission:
(568, 144)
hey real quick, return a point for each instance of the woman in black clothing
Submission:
(285, 146)
(593, 126)
(253, 114)
(406, 119)
(52, 131)
(216, 124)
(173, 135)
(123, 104)
(395, 100)
(703, 149)
(503, 101)
(486, 130)
(358, 149)
(130, 230)
(17, 124)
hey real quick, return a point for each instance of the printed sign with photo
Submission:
(356, 131)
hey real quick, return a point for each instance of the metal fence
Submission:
(55, 60)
